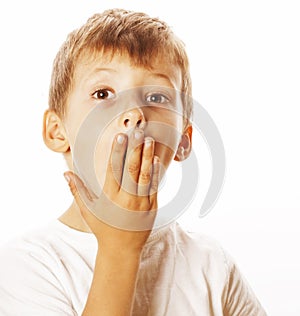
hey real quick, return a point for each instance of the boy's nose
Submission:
(133, 118)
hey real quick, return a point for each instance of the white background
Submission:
(245, 64)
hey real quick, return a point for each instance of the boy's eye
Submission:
(157, 98)
(103, 94)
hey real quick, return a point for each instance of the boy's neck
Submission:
(72, 218)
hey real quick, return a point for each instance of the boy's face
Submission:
(125, 98)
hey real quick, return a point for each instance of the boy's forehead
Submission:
(90, 64)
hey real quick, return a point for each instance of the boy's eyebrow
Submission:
(103, 69)
(163, 76)
(97, 70)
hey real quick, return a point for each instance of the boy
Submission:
(105, 255)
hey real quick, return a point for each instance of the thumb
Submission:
(78, 190)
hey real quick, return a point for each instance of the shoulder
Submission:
(28, 245)
(46, 247)
(28, 275)
(36, 270)
(40, 242)
(220, 272)
(202, 254)
(203, 246)
(32, 255)
(36, 255)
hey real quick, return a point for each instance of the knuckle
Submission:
(76, 194)
(145, 176)
(73, 189)
(116, 168)
(154, 184)
(129, 205)
(133, 168)
(144, 205)
(136, 204)
(153, 204)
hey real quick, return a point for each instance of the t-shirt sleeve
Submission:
(239, 299)
(29, 285)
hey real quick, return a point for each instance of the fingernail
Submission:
(67, 177)
(120, 139)
(148, 142)
(137, 134)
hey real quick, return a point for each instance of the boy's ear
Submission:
(185, 145)
(54, 133)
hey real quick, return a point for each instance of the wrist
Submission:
(121, 243)
(118, 254)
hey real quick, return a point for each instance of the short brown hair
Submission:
(143, 38)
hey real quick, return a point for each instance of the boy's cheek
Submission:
(72, 129)
(165, 135)
(101, 158)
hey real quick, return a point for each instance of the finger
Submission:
(80, 193)
(133, 162)
(114, 172)
(78, 190)
(146, 167)
(154, 180)
(88, 192)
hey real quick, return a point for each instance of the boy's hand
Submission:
(131, 184)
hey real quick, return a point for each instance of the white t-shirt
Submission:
(49, 271)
